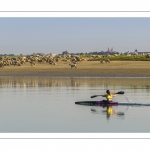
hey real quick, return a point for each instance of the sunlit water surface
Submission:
(47, 105)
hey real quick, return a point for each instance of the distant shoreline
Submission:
(114, 69)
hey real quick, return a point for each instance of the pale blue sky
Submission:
(55, 35)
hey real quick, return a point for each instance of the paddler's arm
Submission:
(113, 94)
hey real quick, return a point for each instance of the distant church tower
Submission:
(110, 50)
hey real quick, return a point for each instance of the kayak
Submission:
(105, 103)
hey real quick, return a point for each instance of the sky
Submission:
(54, 35)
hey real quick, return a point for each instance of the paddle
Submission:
(121, 92)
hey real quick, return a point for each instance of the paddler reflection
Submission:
(110, 111)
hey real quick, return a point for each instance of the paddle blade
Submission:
(121, 92)
(95, 96)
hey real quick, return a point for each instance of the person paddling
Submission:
(109, 96)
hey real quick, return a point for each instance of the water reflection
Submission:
(108, 111)
(105, 83)
(28, 107)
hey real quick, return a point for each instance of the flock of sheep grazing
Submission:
(33, 60)
(72, 60)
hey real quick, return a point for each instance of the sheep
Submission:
(102, 62)
(73, 65)
(147, 55)
(16, 63)
(107, 61)
(1, 65)
(32, 63)
(53, 63)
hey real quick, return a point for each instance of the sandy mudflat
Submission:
(84, 69)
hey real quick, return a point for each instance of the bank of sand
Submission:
(84, 69)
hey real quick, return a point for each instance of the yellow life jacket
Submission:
(109, 97)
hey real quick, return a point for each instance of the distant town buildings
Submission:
(108, 52)
(7, 55)
(65, 53)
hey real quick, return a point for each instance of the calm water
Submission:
(47, 105)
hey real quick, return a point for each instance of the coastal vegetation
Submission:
(116, 57)
(124, 58)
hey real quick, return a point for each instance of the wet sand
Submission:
(84, 69)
